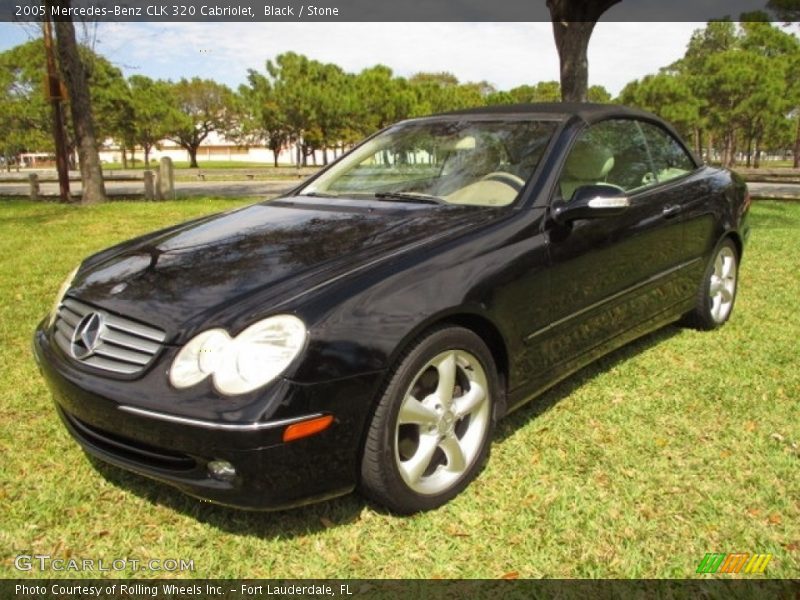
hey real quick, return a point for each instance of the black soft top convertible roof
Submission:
(587, 111)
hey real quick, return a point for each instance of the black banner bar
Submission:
(375, 10)
(392, 589)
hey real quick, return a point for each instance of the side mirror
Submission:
(592, 201)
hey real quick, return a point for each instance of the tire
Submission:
(432, 427)
(717, 292)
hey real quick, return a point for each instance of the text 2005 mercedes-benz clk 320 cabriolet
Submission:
(368, 329)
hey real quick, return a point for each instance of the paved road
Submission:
(276, 187)
(788, 191)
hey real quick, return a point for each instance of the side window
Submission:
(612, 152)
(670, 160)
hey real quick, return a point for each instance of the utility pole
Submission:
(55, 95)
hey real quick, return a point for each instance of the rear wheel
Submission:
(717, 292)
(431, 431)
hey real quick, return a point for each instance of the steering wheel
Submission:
(505, 177)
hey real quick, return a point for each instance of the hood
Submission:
(277, 249)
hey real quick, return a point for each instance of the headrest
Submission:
(588, 162)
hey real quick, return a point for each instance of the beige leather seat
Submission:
(587, 164)
(486, 192)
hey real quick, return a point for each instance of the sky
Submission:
(504, 54)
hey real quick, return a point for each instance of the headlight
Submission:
(242, 364)
(62, 291)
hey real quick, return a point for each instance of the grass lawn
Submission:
(677, 445)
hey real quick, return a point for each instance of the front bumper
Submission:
(270, 474)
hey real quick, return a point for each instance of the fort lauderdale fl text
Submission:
(175, 11)
(143, 589)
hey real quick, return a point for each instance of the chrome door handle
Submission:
(671, 210)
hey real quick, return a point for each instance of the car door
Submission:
(609, 274)
(685, 187)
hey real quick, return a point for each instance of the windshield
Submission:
(482, 163)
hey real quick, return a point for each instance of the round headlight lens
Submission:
(62, 291)
(199, 358)
(252, 359)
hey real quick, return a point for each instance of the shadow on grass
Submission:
(548, 399)
(289, 523)
(347, 509)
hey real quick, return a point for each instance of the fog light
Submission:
(221, 470)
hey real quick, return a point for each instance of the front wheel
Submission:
(431, 431)
(717, 291)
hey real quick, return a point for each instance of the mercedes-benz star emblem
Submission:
(87, 336)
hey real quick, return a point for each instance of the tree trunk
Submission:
(573, 23)
(749, 150)
(133, 157)
(325, 156)
(146, 156)
(757, 156)
(81, 109)
(572, 43)
(698, 142)
(192, 150)
(124, 158)
(796, 162)
(710, 148)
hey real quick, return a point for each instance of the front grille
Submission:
(122, 345)
(126, 448)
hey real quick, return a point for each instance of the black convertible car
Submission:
(368, 329)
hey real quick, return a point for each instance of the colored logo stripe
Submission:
(710, 563)
(733, 563)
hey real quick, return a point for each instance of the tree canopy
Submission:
(733, 92)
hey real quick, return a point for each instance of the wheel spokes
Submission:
(718, 266)
(446, 368)
(442, 421)
(716, 307)
(467, 403)
(716, 285)
(451, 446)
(728, 267)
(414, 467)
(416, 413)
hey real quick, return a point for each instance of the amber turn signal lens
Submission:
(295, 431)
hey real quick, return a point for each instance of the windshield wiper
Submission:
(409, 197)
(319, 194)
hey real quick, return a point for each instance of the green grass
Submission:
(679, 444)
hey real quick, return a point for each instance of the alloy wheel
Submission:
(442, 422)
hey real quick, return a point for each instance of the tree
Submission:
(112, 101)
(544, 91)
(442, 92)
(24, 113)
(260, 116)
(794, 97)
(380, 99)
(598, 94)
(573, 23)
(151, 112)
(786, 10)
(293, 78)
(198, 107)
(317, 100)
(668, 95)
(74, 74)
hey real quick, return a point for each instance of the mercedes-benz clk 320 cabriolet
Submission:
(369, 328)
